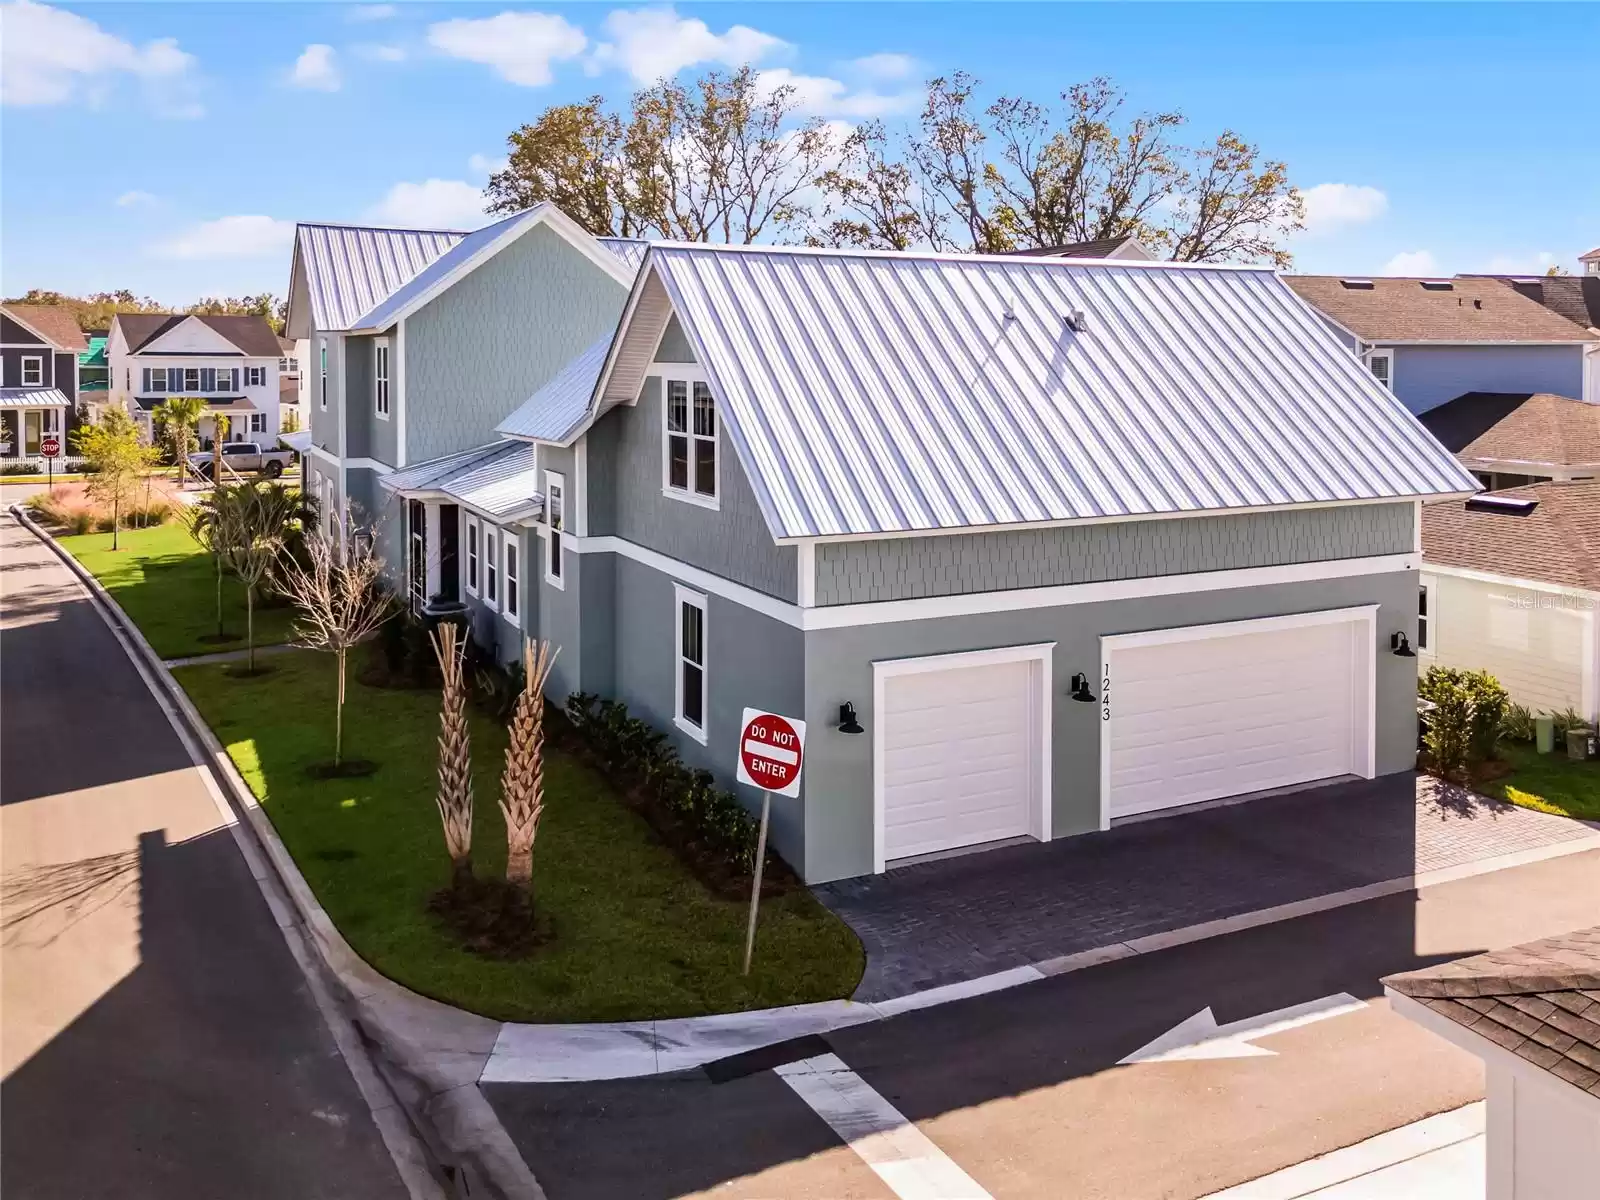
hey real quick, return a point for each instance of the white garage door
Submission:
(1224, 710)
(960, 756)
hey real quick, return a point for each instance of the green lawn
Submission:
(1548, 782)
(167, 586)
(636, 936)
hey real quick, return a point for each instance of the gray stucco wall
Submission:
(838, 811)
(483, 347)
(624, 449)
(908, 568)
(1426, 376)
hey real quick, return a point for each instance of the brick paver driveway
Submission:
(960, 918)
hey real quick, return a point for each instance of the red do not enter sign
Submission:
(772, 752)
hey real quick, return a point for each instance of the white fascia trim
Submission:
(353, 464)
(397, 389)
(705, 581)
(578, 501)
(1476, 342)
(1041, 654)
(806, 566)
(1491, 1053)
(1530, 585)
(647, 271)
(1123, 518)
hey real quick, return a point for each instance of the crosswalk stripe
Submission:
(897, 1151)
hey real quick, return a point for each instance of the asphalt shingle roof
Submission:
(1464, 309)
(57, 324)
(1541, 1001)
(1539, 429)
(252, 334)
(1558, 542)
(1575, 297)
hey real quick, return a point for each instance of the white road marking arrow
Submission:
(1201, 1037)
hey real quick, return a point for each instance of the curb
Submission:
(432, 1079)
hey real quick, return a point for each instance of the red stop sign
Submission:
(771, 752)
(50, 447)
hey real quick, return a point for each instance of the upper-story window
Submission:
(472, 557)
(555, 507)
(513, 576)
(255, 377)
(1381, 364)
(689, 451)
(491, 563)
(322, 386)
(380, 377)
(32, 371)
(289, 366)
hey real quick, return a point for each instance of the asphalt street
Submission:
(158, 1038)
(1021, 1090)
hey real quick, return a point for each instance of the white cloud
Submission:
(379, 52)
(135, 199)
(482, 164)
(1523, 264)
(656, 43)
(431, 204)
(1413, 262)
(371, 12)
(51, 56)
(818, 95)
(230, 237)
(1333, 206)
(520, 46)
(317, 69)
(883, 66)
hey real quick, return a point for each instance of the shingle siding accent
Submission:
(625, 500)
(914, 568)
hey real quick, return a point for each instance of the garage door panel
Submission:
(1215, 716)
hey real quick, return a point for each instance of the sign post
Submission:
(771, 753)
(48, 449)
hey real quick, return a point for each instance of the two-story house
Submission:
(231, 362)
(1431, 340)
(421, 341)
(39, 348)
(1034, 545)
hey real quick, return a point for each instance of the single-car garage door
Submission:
(1198, 714)
(960, 752)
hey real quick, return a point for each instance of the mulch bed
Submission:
(491, 918)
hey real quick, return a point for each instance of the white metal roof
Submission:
(556, 410)
(351, 268)
(388, 308)
(872, 393)
(33, 397)
(629, 250)
(499, 480)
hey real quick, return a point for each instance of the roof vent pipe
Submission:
(1076, 321)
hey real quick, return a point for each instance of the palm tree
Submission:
(256, 521)
(220, 424)
(207, 521)
(180, 416)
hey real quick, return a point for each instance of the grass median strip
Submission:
(636, 936)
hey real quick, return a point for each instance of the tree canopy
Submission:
(95, 310)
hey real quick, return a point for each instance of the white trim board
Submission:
(353, 464)
(1042, 657)
(1531, 585)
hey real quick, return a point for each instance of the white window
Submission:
(1425, 615)
(258, 422)
(51, 420)
(380, 377)
(689, 442)
(472, 557)
(322, 387)
(691, 663)
(191, 379)
(255, 377)
(512, 541)
(32, 371)
(491, 564)
(1381, 364)
(289, 366)
(158, 379)
(555, 507)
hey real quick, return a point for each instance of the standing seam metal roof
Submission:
(499, 479)
(559, 407)
(350, 269)
(893, 393)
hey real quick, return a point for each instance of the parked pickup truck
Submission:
(247, 458)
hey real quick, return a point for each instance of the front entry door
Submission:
(32, 429)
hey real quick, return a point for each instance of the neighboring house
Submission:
(39, 349)
(422, 340)
(1071, 540)
(1590, 262)
(1575, 297)
(1532, 1015)
(1511, 440)
(94, 374)
(291, 380)
(1431, 340)
(229, 361)
(1126, 247)
(1510, 585)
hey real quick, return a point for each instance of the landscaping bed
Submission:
(632, 934)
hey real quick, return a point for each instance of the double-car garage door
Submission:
(1185, 715)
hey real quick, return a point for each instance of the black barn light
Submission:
(1401, 645)
(1080, 688)
(847, 719)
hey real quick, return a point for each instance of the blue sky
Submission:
(169, 148)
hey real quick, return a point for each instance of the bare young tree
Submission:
(522, 783)
(340, 601)
(454, 796)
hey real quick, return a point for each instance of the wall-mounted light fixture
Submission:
(1080, 688)
(847, 719)
(1401, 646)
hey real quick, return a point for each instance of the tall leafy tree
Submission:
(119, 458)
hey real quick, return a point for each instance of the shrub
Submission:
(1469, 714)
(1519, 724)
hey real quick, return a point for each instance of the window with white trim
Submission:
(258, 422)
(322, 386)
(255, 377)
(513, 597)
(1381, 364)
(191, 379)
(491, 567)
(380, 377)
(555, 508)
(689, 449)
(472, 557)
(690, 714)
(1425, 613)
(158, 379)
(32, 371)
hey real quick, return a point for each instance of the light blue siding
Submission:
(1427, 376)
